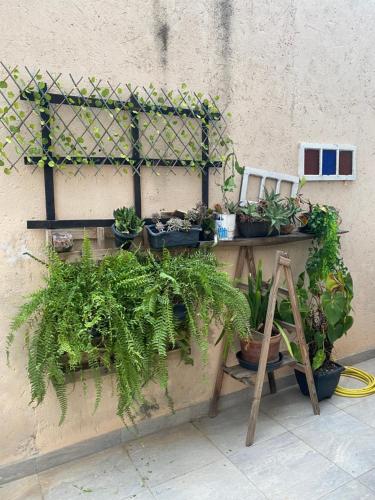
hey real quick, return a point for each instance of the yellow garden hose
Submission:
(361, 375)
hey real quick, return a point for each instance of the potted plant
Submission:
(257, 297)
(226, 213)
(175, 232)
(126, 227)
(326, 315)
(204, 217)
(293, 206)
(251, 222)
(325, 304)
(127, 299)
(263, 218)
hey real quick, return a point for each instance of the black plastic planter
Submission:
(179, 312)
(248, 229)
(326, 381)
(170, 239)
(123, 240)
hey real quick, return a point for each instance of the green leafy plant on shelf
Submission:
(127, 221)
(119, 314)
(275, 211)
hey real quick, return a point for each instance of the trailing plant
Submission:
(127, 221)
(229, 185)
(324, 254)
(119, 314)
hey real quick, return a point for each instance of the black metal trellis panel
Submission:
(135, 107)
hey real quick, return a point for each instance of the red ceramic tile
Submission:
(346, 163)
(311, 162)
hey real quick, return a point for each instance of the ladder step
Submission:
(245, 376)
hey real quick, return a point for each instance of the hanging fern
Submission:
(119, 314)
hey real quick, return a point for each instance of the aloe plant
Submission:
(127, 221)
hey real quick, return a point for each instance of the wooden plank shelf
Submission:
(280, 239)
(247, 376)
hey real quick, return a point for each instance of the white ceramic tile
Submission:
(284, 467)
(228, 429)
(217, 481)
(368, 479)
(353, 490)
(22, 489)
(291, 408)
(170, 453)
(364, 410)
(343, 439)
(109, 474)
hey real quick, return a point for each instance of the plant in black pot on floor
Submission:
(325, 303)
(126, 227)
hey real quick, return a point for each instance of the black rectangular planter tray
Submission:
(170, 239)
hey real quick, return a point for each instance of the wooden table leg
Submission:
(242, 253)
(272, 382)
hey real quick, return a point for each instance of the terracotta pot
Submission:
(287, 229)
(250, 349)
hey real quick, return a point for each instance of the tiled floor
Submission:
(296, 456)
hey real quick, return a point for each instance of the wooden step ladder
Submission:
(282, 263)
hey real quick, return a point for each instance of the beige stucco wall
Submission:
(290, 71)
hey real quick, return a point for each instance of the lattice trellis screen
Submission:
(53, 121)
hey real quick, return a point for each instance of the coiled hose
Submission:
(360, 392)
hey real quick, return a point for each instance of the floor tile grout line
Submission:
(322, 454)
(178, 475)
(367, 486)
(227, 458)
(254, 444)
(341, 485)
(40, 486)
(143, 481)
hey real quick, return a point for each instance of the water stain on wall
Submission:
(161, 32)
(223, 26)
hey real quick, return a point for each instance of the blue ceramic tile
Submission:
(329, 162)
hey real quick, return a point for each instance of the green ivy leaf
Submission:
(105, 92)
(7, 171)
(3, 84)
(239, 170)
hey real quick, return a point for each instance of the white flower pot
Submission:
(226, 226)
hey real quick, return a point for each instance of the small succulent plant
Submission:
(176, 224)
(127, 221)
